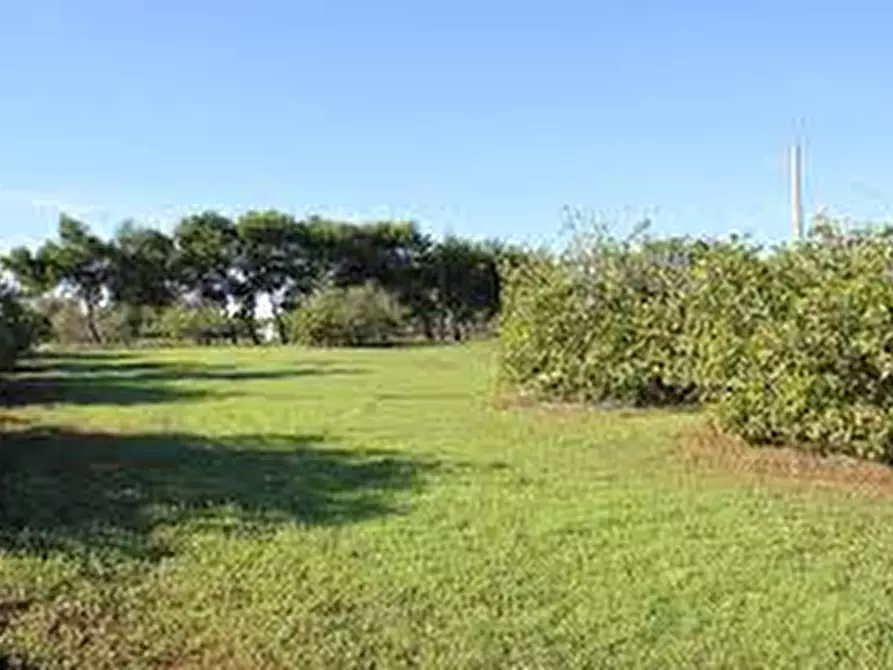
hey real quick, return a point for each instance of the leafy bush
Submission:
(134, 325)
(351, 316)
(603, 323)
(19, 329)
(66, 322)
(201, 325)
(817, 370)
(792, 345)
(731, 293)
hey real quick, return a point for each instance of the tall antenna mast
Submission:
(796, 189)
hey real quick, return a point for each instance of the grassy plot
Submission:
(281, 508)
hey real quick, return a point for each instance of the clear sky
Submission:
(481, 117)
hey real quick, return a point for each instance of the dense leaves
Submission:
(816, 368)
(20, 328)
(207, 248)
(791, 345)
(276, 258)
(350, 316)
(602, 323)
(216, 278)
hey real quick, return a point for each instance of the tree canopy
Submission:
(223, 270)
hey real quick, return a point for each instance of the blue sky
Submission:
(483, 118)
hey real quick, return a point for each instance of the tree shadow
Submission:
(77, 366)
(106, 380)
(86, 356)
(20, 392)
(175, 371)
(101, 494)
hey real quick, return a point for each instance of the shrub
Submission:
(791, 345)
(66, 322)
(133, 325)
(351, 316)
(817, 369)
(603, 323)
(19, 328)
(201, 325)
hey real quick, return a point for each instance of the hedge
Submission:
(348, 317)
(791, 345)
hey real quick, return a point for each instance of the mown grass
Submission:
(280, 508)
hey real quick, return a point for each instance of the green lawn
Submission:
(280, 508)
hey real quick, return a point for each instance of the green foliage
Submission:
(281, 508)
(602, 323)
(80, 264)
(66, 322)
(792, 345)
(19, 328)
(207, 247)
(264, 258)
(464, 274)
(817, 368)
(145, 267)
(66, 319)
(348, 316)
(198, 324)
(540, 324)
(277, 258)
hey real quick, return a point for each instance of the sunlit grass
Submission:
(282, 508)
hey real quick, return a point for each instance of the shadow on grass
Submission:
(77, 366)
(113, 379)
(20, 392)
(85, 356)
(103, 494)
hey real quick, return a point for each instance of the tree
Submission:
(387, 253)
(144, 271)
(144, 266)
(276, 260)
(29, 269)
(417, 288)
(80, 263)
(463, 276)
(213, 264)
(356, 254)
(207, 246)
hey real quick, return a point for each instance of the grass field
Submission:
(279, 508)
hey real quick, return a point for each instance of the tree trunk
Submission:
(427, 328)
(280, 325)
(135, 320)
(457, 329)
(441, 326)
(247, 317)
(252, 330)
(91, 323)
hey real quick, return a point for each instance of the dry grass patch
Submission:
(706, 449)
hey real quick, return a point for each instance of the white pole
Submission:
(796, 194)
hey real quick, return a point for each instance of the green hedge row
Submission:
(791, 345)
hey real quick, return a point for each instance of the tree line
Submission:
(218, 271)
